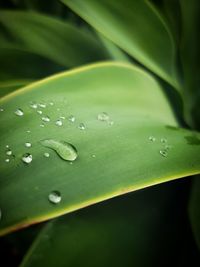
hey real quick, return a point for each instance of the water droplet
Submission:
(42, 125)
(163, 140)
(1, 109)
(7, 160)
(59, 123)
(28, 144)
(81, 126)
(28, 131)
(103, 116)
(51, 103)
(62, 117)
(167, 147)
(58, 109)
(163, 152)
(34, 105)
(71, 118)
(19, 112)
(46, 118)
(27, 158)
(42, 105)
(7, 146)
(65, 150)
(152, 138)
(93, 156)
(47, 155)
(55, 197)
(39, 111)
(9, 152)
(111, 123)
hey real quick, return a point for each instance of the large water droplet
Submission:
(163, 152)
(103, 116)
(46, 119)
(152, 138)
(71, 118)
(55, 197)
(81, 126)
(28, 144)
(19, 112)
(65, 150)
(9, 152)
(27, 158)
(47, 155)
(59, 123)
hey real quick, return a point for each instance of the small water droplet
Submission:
(152, 138)
(9, 152)
(46, 119)
(7, 160)
(51, 103)
(163, 140)
(81, 126)
(28, 144)
(71, 118)
(28, 131)
(65, 150)
(93, 156)
(1, 109)
(42, 105)
(62, 117)
(55, 197)
(103, 116)
(7, 146)
(27, 158)
(111, 123)
(42, 125)
(39, 111)
(34, 105)
(19, 112)
(47, 155)
(163, 152)
(59, 123)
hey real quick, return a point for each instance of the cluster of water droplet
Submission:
(166, 147)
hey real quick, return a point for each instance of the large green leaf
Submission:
(48, 37)
(118, 232)
(136, 27)
(113, 158)
(194, 209)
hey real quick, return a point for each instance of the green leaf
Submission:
(118, 232)
(112, 158)
(48, 37)
(194, 209)
(190, 55)
(137, 28)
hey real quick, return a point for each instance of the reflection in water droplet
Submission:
(103, 116)
(39, 111)
(9, 152)
(163, 152)
(152, 138)
(27, 158)
(33, 105)
(19, 112)
(163, 140)
(47, 155)
(81, 126)
(71, 118)
(59, 123)
(65, 150)
(28, 144)
(7, 160)
(55, 197)
(46, 118)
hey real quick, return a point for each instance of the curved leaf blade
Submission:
(125, 159)
(137, 28)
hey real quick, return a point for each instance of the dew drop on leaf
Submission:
(64, 149)
(71, 118)
(34, 105)
(47, 155)
(163, 152)
(55, 197)
(152, 138)
(39, 111)
(27, 158)
(19, 112)
(1, 109)
(103, 116)
(9, 152)
(7, 160)
(59, 123)
(81, 126)
(163, 140)
(46, 118)
(28, 144)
